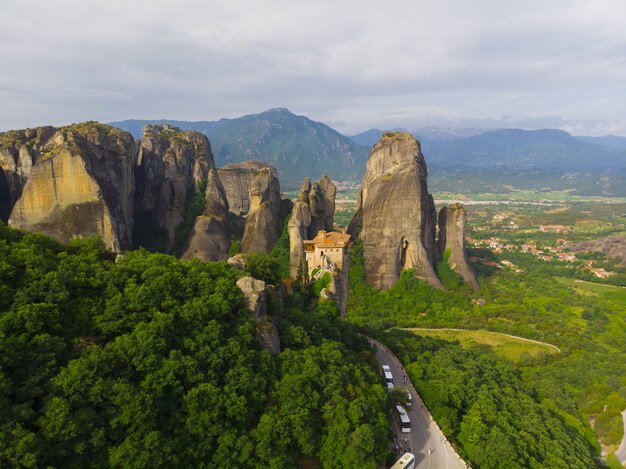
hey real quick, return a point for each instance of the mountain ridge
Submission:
(296, 145)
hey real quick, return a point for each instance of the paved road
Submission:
(621, 452)
(426, 441)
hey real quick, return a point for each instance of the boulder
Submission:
(81, 185)
(19, 150)
(254, 293)
(396, 214)
(237, 179)
(326, 295)
(262, 224)
(171, 164)
(268, 337)
(209, 238)
(238, 261)
(451, 243)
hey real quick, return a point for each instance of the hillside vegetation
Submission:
(142, 360)
(584, 386)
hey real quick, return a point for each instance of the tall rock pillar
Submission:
(397, 213)
(452, 221)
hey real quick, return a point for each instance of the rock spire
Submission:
(397, 213)
(209, 238)
(451, 243)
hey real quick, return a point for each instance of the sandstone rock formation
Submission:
(322, 206)
(451, 243)
(262, 224)
(299, 228)
(267, 335)
(397, 213)
(237, 179)
(19, 150)
(313, 211)
(610, 246)
(209, 238)
(80, 185)
(253, 291)
(238, 261)
(171, 164)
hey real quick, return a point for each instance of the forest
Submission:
(142, 360)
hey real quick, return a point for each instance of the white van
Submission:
(387, 373)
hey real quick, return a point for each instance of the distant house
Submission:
(600, 273)
(329, 251)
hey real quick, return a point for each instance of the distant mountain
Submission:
(432, 139)
(371, 136)
(524, 150)
(503, 181)
(612, 141)
(295, 145)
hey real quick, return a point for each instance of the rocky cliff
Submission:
(19, 151)
(209, 238)
(237, 179)
(262, 224)
(299, 228)
(610, 246)
(313, 211)
(397, 213)
(451, 243)
(171, 164)
(81, 184)
(322, 206)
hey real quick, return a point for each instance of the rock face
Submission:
(170, 165)
(397, 213)
(267, 335)
(611, 246)
(262, 225)
(255, 295)
(19, 150)
(238, 261)
(451, 243)
(81, 185)
(322, 206)
(237, 179)
(313, 211)
(299, 228)
(209, 238)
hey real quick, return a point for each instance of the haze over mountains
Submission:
(475, 160)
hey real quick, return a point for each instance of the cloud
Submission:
(354, 64)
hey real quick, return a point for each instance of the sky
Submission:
(353, 65)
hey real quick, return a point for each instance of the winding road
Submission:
(426, 441)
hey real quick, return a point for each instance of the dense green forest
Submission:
(584, 383)
(142, 360)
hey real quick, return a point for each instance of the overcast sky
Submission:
(350, 64)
